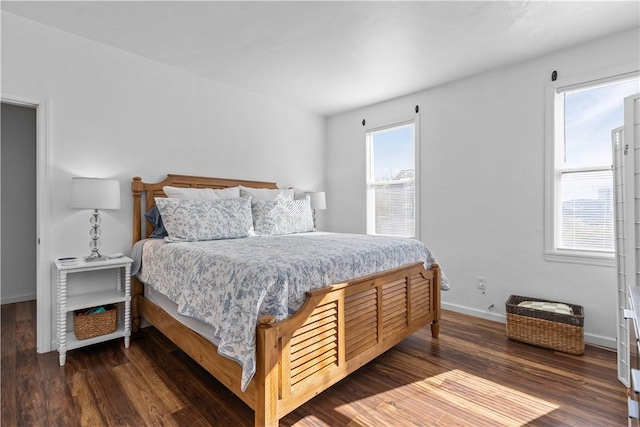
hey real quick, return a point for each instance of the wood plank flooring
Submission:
(471, 376)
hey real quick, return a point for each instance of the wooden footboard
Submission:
(338, 329)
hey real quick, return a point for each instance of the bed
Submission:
(337, 329)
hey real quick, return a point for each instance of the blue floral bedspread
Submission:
(229, 284)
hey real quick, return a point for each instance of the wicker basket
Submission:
(557, 331)
(94, 325)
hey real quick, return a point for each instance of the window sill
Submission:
(603, 260)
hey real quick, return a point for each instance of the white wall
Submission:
(118, 115)
(482, 164)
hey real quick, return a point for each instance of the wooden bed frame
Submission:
(338, 329)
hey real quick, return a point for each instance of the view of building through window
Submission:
(585, 219)
(391, 173)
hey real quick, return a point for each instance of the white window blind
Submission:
(391, 181)
(586, 218)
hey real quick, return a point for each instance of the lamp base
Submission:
(95, 258)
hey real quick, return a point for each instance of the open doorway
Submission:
(40, 264)
(18, 154)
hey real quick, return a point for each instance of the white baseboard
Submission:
(496, 317)
(598, 340)
(17, 298)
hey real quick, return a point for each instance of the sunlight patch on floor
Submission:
(476, 396)
(458, 398)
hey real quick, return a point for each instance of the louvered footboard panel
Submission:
(394, 307)
(420, 297)
(361, 321)
(314, 346)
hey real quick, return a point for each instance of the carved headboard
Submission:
(152, 190)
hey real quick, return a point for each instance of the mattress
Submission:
(171, 308)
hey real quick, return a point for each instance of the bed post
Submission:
(435, 300)
(266, 378)
(136, 188)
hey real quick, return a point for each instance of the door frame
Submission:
(44, 316)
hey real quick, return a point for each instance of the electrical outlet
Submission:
(482, 283)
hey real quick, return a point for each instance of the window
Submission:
(391, 180)
(580, 220)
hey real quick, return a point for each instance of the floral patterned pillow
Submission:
(282, 216)
(196, 220)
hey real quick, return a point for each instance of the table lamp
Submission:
(95, 193)
(318, 201)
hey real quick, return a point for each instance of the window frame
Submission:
(370, 207)
(554, 133)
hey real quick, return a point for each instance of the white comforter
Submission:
(228, 284)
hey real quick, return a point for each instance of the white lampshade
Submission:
(318, 200)
(95, 193)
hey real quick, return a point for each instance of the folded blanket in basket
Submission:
(553, 307)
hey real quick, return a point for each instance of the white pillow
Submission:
(282, 216)
(196, 220)
(267, 194)
(201, 193)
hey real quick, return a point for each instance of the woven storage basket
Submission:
(93, 325)
(557, 331)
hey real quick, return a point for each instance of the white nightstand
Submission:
(120, 294)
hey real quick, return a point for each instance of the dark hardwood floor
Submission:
(471, 376)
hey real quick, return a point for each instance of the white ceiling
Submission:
(328, 57)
